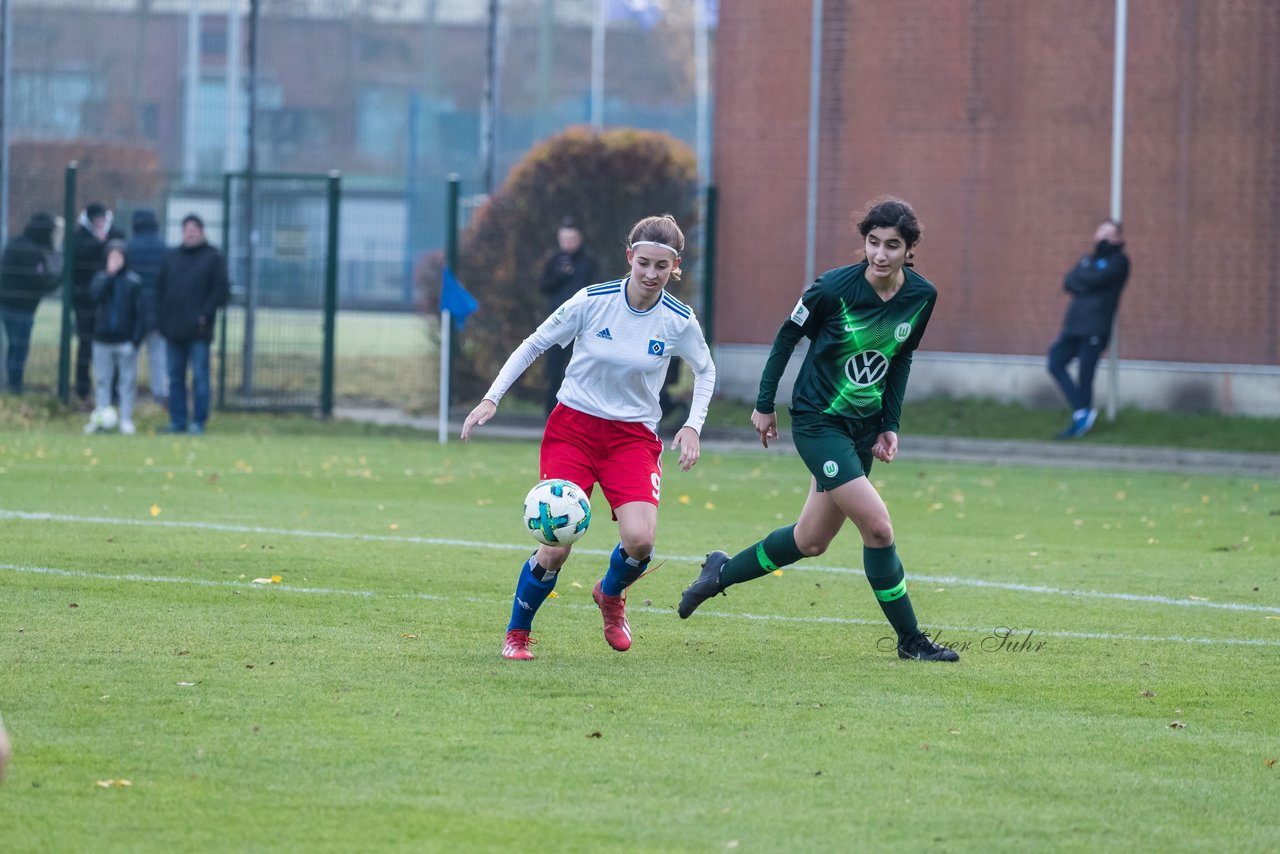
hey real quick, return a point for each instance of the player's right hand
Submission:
(766, 426)
(484, 410)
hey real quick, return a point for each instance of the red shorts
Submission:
(624, 458)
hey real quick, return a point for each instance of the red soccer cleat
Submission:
(516, 646)
(617, 632)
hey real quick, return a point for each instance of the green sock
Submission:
(774, 551)
(889, 582)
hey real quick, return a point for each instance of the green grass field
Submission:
(1128, 702)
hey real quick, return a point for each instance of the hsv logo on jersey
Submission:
(866, 368)
(657, 348)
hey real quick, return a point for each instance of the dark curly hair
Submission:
(890, 212)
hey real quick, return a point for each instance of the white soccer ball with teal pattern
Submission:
(557, 512)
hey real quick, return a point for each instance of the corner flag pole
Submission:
(453, 189)
(446, 322)
(1117, 188)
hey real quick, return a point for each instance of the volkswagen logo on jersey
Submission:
(866, 368)
(902, 332)
(657, 348)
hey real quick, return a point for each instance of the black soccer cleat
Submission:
(920, 648)
(705, 586)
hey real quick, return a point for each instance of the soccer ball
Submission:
(105, 418)
(557, 512)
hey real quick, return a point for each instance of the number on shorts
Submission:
(656, 479)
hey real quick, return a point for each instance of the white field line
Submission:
(695, 559)
(1016, 634)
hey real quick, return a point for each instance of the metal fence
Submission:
(152, 99)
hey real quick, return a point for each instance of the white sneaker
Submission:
(91, 427)
(127, 428)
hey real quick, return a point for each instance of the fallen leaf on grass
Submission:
(1148, 693)
(275, 579)
(1177, 725)
(155, 509)
(107, 784)
(553, 595)
(408, 636)
(778, 572)
(186, 684)
(1270, 763)
(596, 734)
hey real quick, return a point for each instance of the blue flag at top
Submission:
(455, 299)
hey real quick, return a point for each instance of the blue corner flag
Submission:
(455, 299)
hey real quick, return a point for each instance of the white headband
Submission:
(670, 249)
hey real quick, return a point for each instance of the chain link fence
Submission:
(153, 99)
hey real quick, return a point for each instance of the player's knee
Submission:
(553, 557)
(812, 547)
(638, 547)
(877, 533)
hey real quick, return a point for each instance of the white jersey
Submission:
(620, 355)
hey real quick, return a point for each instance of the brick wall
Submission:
(993, 117)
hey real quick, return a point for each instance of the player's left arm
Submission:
(692, 347)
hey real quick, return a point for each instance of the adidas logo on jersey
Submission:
(604, 333)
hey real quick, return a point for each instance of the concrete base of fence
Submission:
(1252, 390)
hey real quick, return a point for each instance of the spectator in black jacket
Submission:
(191, 287)
(1094, 284)
(117, 329)
(29, 269)
(565, 272)
(93, 230)
(146, 252)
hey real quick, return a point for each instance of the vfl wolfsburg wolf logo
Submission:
(866, 368)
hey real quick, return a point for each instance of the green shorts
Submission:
(836, 450)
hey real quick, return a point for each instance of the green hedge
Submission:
(605, 181)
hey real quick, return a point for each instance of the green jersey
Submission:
(860, 346)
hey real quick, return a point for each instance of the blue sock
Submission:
(530, 594)
(623, 572)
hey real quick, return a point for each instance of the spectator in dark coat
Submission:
(29, 269)
(565, 272)
(191, 287)
(147, 251)
(117, 329)
(1094, 283)
(93, 230)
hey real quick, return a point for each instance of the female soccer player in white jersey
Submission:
(624, 334)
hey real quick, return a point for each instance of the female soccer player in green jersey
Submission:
(863, 322)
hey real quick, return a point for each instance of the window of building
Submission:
(55, 103)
